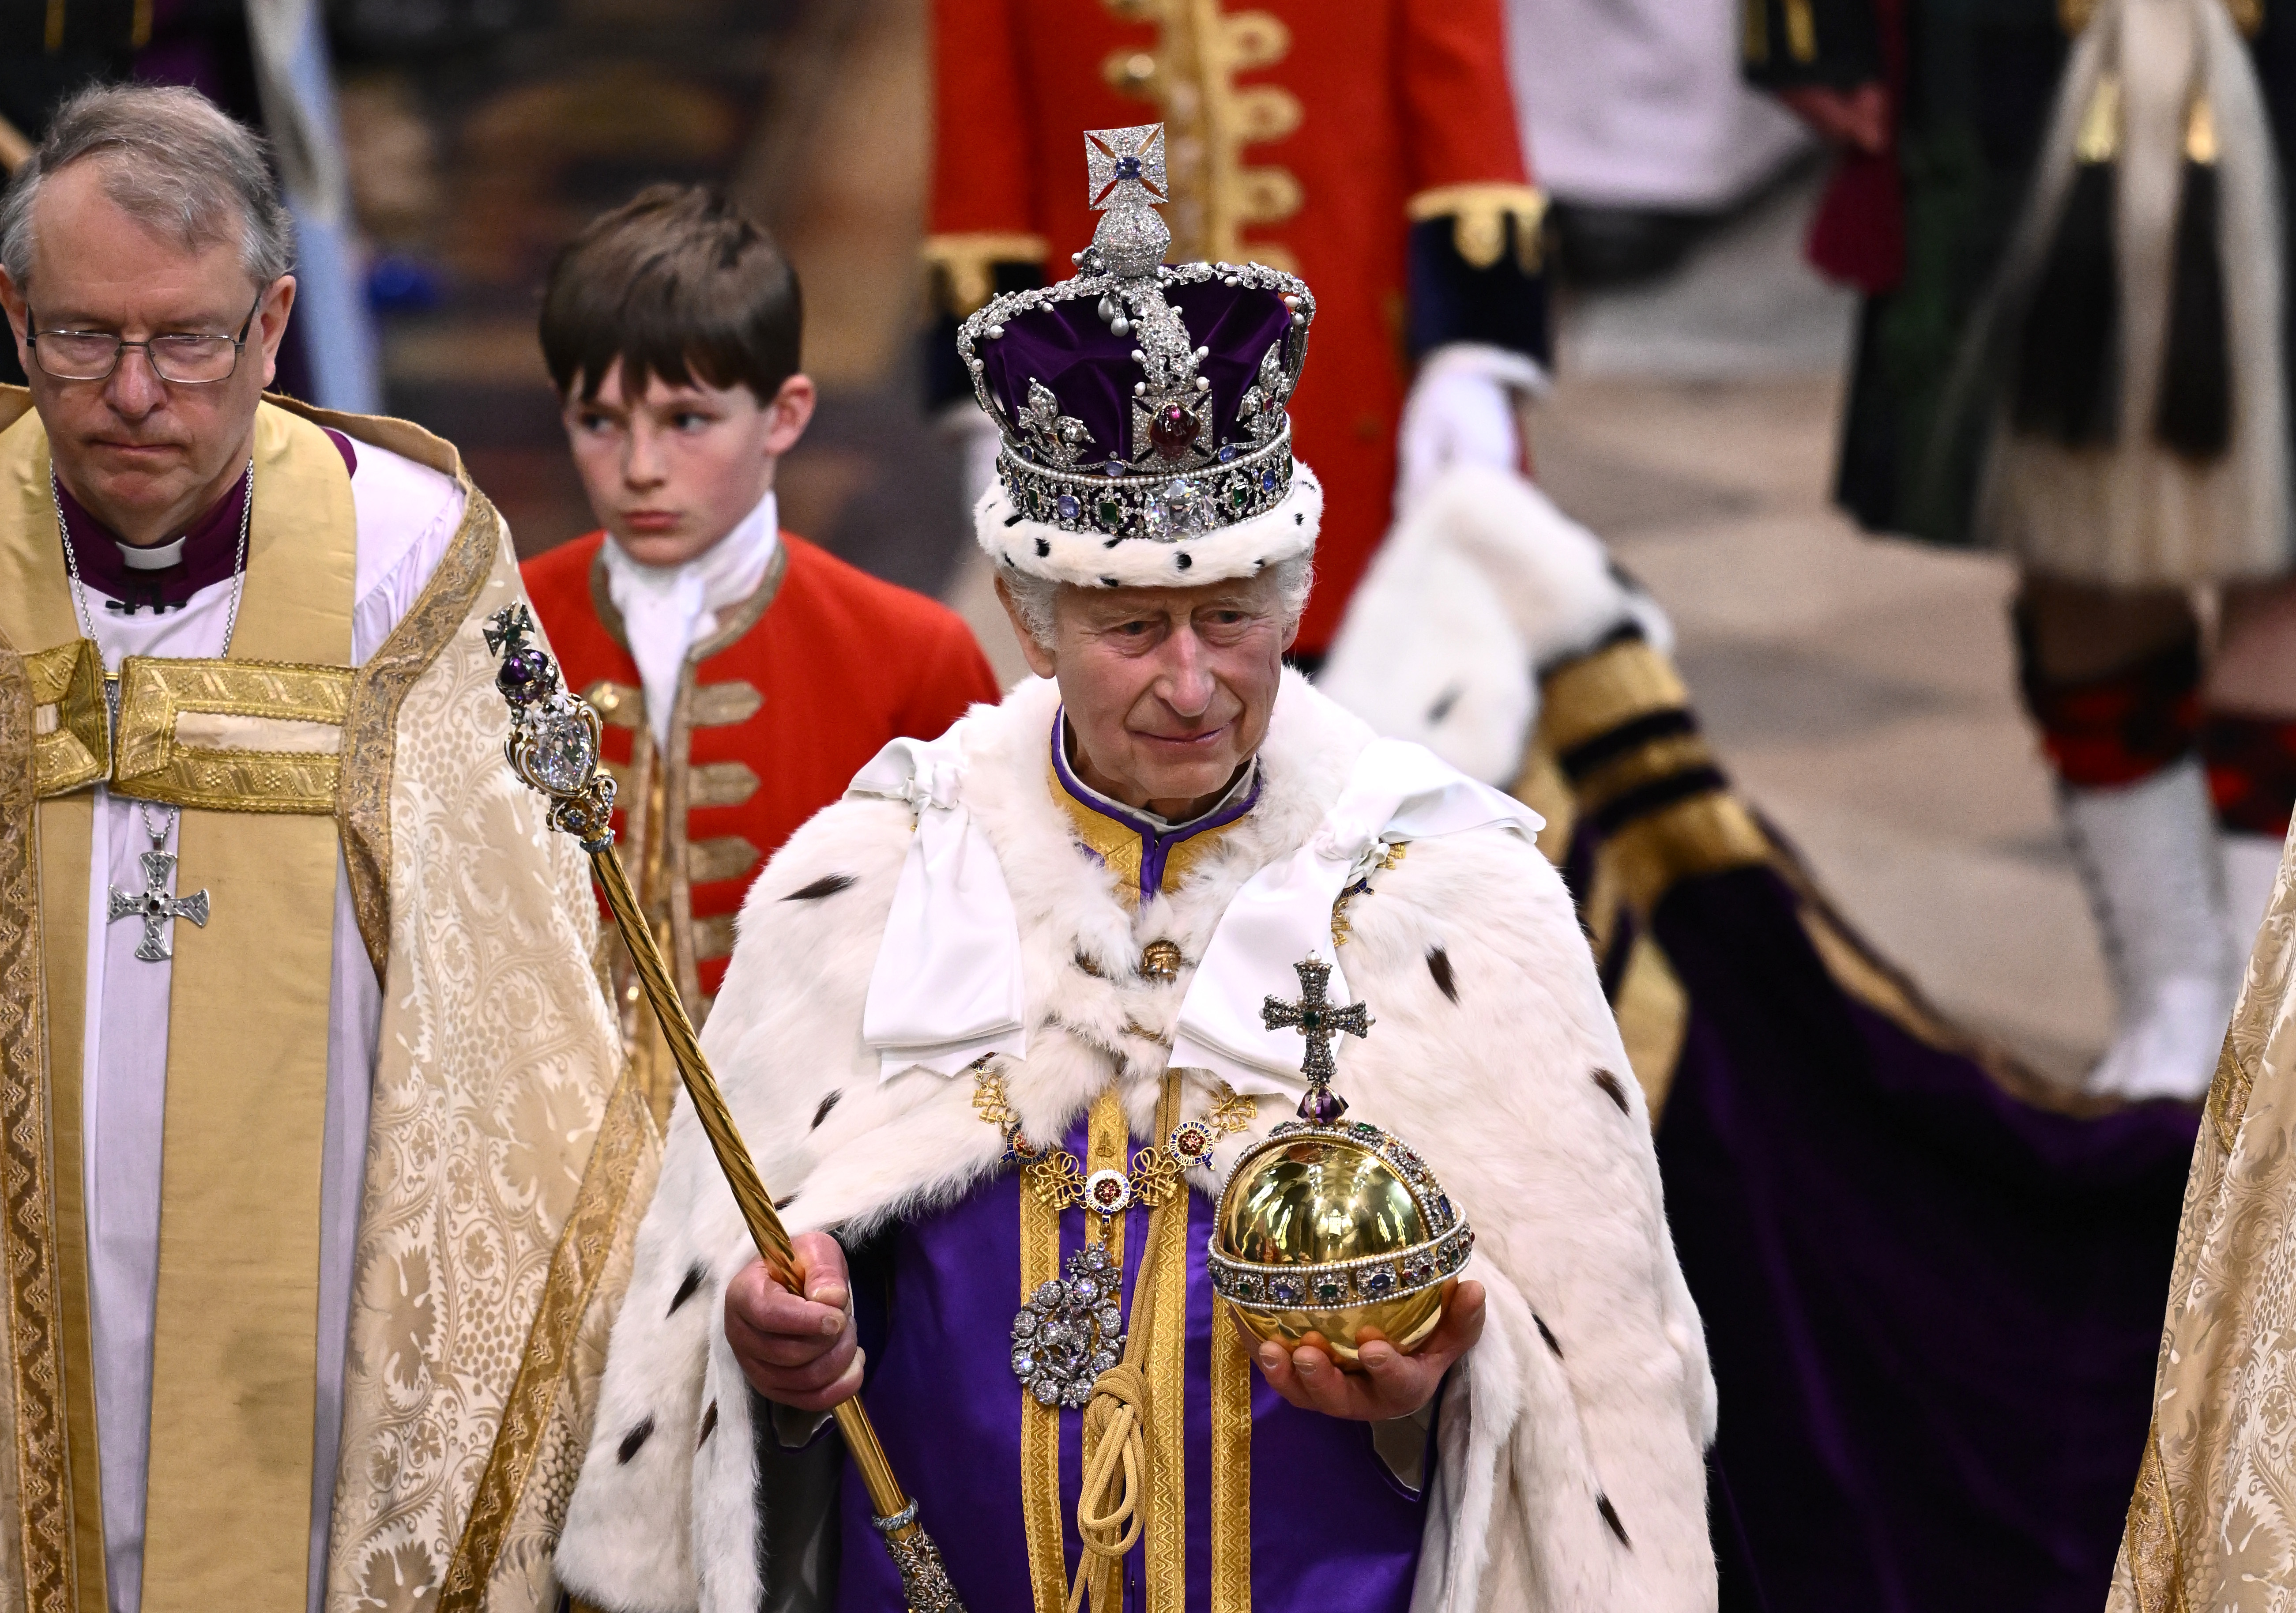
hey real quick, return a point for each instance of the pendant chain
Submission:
(154, 905)
(238, 565)
(158, 835)
(1057, 1177)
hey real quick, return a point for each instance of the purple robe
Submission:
(1933, 1309)
(1332, 1530)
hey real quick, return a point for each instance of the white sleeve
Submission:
(407, 514)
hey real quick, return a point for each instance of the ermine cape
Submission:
(1566, 1471)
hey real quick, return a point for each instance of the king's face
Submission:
(145, 455)
(1167, 691)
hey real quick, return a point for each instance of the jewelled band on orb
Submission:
(1366, 1279)
(1346, 1282)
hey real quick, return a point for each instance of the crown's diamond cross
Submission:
(1125, 165)
(1316, 1019)
(155, 906)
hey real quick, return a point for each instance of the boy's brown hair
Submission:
(674, 282)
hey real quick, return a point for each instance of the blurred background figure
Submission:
(268, 63)
(482, 135)
(1647, 137)
(2065, 219)
(1376, 154)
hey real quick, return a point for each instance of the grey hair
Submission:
(1034, 597)
(181, 166)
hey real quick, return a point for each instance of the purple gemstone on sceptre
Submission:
(526, 676)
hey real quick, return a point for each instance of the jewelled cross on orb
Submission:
(1125, 165)
(154, 905)
(1316, 1019)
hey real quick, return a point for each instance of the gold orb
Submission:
(1334, 1235)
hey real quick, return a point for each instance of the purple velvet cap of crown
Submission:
(1090, 369)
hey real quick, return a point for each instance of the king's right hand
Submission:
(800, 1351)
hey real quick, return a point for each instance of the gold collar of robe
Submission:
(1120, 848)
(248, 747)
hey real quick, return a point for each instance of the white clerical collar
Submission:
(668, 609)
(157, 557)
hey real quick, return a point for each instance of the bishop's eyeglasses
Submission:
(186, 361)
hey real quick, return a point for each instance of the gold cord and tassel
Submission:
(1133, 1465)
(1109, 1519)
(1135, 1461)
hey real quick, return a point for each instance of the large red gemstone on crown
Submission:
(1173, 429)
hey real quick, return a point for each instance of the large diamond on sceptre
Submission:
(553, 745)
(1332, 1231)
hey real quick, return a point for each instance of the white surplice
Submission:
(406, 516)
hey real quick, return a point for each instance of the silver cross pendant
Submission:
(153, 905)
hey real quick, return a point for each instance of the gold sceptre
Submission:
(553, 748)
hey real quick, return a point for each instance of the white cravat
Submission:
(947, 987)
(668, 609)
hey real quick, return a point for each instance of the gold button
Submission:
(1161, 961)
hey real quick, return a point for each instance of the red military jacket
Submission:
(1299, 133)
(799, 686)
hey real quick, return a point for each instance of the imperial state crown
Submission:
(1333, 1231)
(1141, 404)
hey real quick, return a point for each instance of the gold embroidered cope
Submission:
(227, 1510)
(253, 748)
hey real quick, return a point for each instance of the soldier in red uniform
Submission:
(744, 675)
(1371, 149)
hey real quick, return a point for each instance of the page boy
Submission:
(744, 674)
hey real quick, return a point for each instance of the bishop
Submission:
(305, 1233)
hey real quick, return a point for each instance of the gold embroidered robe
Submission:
(2212, 1524)
(508, 1153)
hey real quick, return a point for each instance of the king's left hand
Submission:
(1390, 1384)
